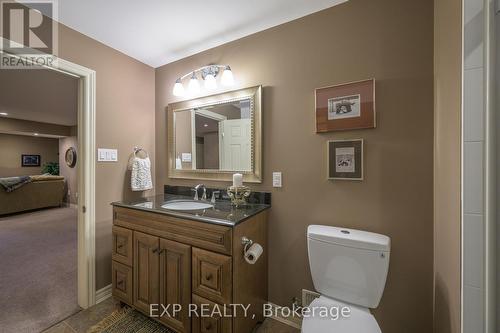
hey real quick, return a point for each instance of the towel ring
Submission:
(137, 150)
(134, 154)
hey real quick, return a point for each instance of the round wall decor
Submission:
(70, 157)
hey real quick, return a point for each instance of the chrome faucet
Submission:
(196, 188)
(214, 193)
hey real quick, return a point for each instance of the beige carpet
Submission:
(38, 269)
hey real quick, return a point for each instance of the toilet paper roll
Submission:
(253, 253)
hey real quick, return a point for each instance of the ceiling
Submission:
(157, 32)
(39, 95)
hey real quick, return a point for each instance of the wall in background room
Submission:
(12, 146)
(391, 41)
(70, 174)
(17, 126)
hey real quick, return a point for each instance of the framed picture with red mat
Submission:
(346, 106)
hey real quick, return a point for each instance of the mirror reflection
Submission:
(214, 137)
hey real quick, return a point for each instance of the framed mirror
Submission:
(213, 137)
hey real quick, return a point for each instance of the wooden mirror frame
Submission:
(252, 176)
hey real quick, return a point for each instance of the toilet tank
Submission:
(348, 265)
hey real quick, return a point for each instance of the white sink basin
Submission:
(186, 205)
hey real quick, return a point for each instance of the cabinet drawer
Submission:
(214, 324)
(200, 234)
(122, 245)
(122, 281)
(212, 276)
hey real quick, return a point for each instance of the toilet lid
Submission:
(323, 311)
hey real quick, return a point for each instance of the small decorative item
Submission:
(30, 160)
(238, 192)
(52, 168)
(70, 157)
(346, 106)
(345, 159)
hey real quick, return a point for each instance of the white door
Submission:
(235, 145)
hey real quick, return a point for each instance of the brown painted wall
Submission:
(390, 40)
(12, 146)
(124, 119)
(447, 162)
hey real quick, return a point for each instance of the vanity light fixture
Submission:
(194, 85)
(227, 78)
(209, 75)
(35, 134)
(210, 82)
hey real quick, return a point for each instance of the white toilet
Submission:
(349, 269)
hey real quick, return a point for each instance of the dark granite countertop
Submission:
(222, 213)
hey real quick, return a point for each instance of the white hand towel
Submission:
(141, 174)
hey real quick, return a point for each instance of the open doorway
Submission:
(38, 195)
(86, 293)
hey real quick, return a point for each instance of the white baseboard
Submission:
(290, 321)
(102, 294)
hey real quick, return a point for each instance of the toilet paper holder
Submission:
(247, 242)
(251, 250)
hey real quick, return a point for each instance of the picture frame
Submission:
(346, 106)
(345, 159)
(30, 160)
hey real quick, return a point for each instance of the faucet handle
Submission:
(195, 190)
(213, 196)
(204, 195)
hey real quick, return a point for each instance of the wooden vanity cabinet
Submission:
(159, 259)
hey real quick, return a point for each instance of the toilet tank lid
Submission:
(349, 237)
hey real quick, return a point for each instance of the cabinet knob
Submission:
(156, 250)
(120, 282)
(208, 327)
(120, 246)
(208, 277)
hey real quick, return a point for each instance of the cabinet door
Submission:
(122, 281)
(212, 277)
(175, 283)
(122, 245)
(146, 270)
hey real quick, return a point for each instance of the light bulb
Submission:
(210, 82)
(178, 88)
(194, 85)
(227, 78)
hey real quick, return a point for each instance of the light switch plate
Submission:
(277, 179)
(107, 155)
(186, 157)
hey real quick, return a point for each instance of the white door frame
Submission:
(86, 174)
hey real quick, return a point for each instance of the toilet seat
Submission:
(359, 321)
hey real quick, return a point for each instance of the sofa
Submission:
(41, 192)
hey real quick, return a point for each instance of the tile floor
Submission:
(83, 320)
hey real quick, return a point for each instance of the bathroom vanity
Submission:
(163, 256)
